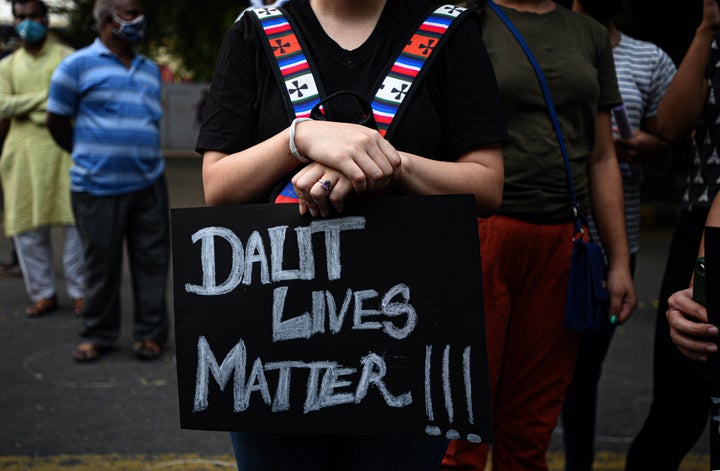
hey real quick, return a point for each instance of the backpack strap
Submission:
(407, 69)
(292, 67)
(294, 70)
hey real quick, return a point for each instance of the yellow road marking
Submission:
(604, 461)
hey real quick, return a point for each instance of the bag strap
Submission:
(408, 68)
(578, 215)
(294, 68)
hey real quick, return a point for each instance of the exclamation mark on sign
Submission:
(468, 384)
(434, 430)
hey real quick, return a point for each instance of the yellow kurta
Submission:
(34, 170)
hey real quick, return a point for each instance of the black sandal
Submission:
(42, 306)
(147, 349)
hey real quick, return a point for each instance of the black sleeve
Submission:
(229, 117)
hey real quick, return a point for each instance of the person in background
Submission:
(680, 392)
(11, 267)
(690, 329)
(9, 37)
(526, 246)
(449, 140)
(33, 168)
(4, 128)
(105, 107)
(644, 71)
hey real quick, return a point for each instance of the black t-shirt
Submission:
(456, 107)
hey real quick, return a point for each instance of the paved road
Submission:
(123, 414)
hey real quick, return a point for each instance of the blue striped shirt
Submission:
(117, 112)
(644, 71)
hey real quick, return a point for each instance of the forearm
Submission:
(247, 176)
(61, 130)
(608, 210)
(479, 172)
(13, 106)
(680, 109)
(606, 194)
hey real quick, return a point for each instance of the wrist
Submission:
(619, 261)
(293, 145)
(707, 31)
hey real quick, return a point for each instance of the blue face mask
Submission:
(31, 31)
(130, 31)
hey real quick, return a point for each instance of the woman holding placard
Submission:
(439, 132)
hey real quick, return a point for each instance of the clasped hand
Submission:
(346, 158)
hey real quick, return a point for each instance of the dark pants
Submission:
(579, 414)
(681, 395)
(141, 220)
(276, 452)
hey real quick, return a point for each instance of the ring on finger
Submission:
(326, 185)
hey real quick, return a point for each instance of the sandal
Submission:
(147, 349)
(42, 306)
(78, 304)
(87, 352)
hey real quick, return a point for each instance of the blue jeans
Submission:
(278, 452)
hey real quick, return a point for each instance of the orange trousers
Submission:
(531, 356)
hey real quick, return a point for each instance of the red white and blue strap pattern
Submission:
(396, 85)
(291, 61)
(301, 86)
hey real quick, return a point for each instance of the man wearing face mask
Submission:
(33, 168)
(104, 106)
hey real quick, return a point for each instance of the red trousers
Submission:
(531, 355)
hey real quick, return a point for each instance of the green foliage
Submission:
(186, 32)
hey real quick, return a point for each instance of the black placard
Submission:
(366, 323)
(712, 299)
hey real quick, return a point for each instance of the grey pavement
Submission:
(49, 405)
(626, 385)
